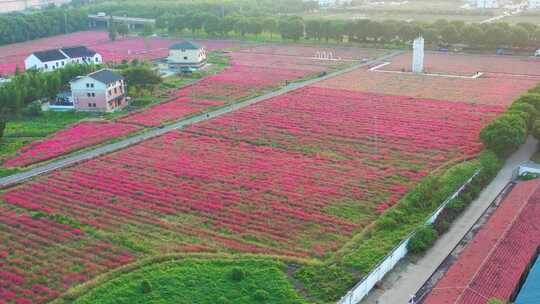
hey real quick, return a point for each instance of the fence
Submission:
(360, 290)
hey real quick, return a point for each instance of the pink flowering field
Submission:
(73, 138)
(295, 175)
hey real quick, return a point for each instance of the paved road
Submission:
(409, 277)
(70, 160)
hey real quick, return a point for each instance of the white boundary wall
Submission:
(360, 290)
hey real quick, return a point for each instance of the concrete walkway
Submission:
(78, 157)
(405, 280)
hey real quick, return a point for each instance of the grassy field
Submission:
(193, 281)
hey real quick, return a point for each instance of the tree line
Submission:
(19, 27)
(25, 88)
(440, 32)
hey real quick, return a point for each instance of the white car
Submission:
(537, 53)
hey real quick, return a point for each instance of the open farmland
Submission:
(468, 64)
(149, 48)
(244, 78)
(484, 90)
(295, 175)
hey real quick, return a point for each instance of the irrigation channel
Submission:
(105, 149)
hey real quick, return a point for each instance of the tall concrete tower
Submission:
(418, 55)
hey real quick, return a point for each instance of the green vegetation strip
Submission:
(194, 278)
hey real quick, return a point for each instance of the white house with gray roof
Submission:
(186, 56)
(100, 91)
(51, 60)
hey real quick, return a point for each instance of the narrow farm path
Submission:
(78, 157)
(405, 280)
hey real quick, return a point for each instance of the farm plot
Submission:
(311, 51)
(73, 138)
(488, 89)
(296, 175)
(236, 82)
(466, 64)
(243, 79)
(150, 48)
(40, 258)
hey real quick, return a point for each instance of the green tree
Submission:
(113, 32)
(291, 28)
(123, 29)
(270, 26)
(472, 35)
(519, 37)
(504, 134)
(213, 25)
(423, 239)
(148, 30)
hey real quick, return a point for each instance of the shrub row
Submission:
(507, 132)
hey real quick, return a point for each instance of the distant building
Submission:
(534, 4)
(332, 3)
(7, 6)
(51, 60)
(186, 56)
(487, 4)
(101, 91)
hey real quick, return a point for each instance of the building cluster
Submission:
(101, 91)
(50, 60)
(104, 90)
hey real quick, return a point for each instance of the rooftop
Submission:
(105, 76)
(50, 55)
(493, 262)
(78, 52)
(185, 45)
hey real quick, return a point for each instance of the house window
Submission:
(57, 64)
(89, 105)
(46, 66)
(94, 105)
(87, 85)
(91, 85)
(94, 95)
(110, 93)
(88, 94)
(115, 91)
(185, 57)
(97, 60)
(62, 63)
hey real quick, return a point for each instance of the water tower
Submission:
(418, 55)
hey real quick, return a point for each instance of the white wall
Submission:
(32, 62)
(102, 94)
(534, 4)
(187, 56)
(362, 289)
(83, 102)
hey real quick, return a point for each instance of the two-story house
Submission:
(186, 56)
(51, 60)
(100, 91)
